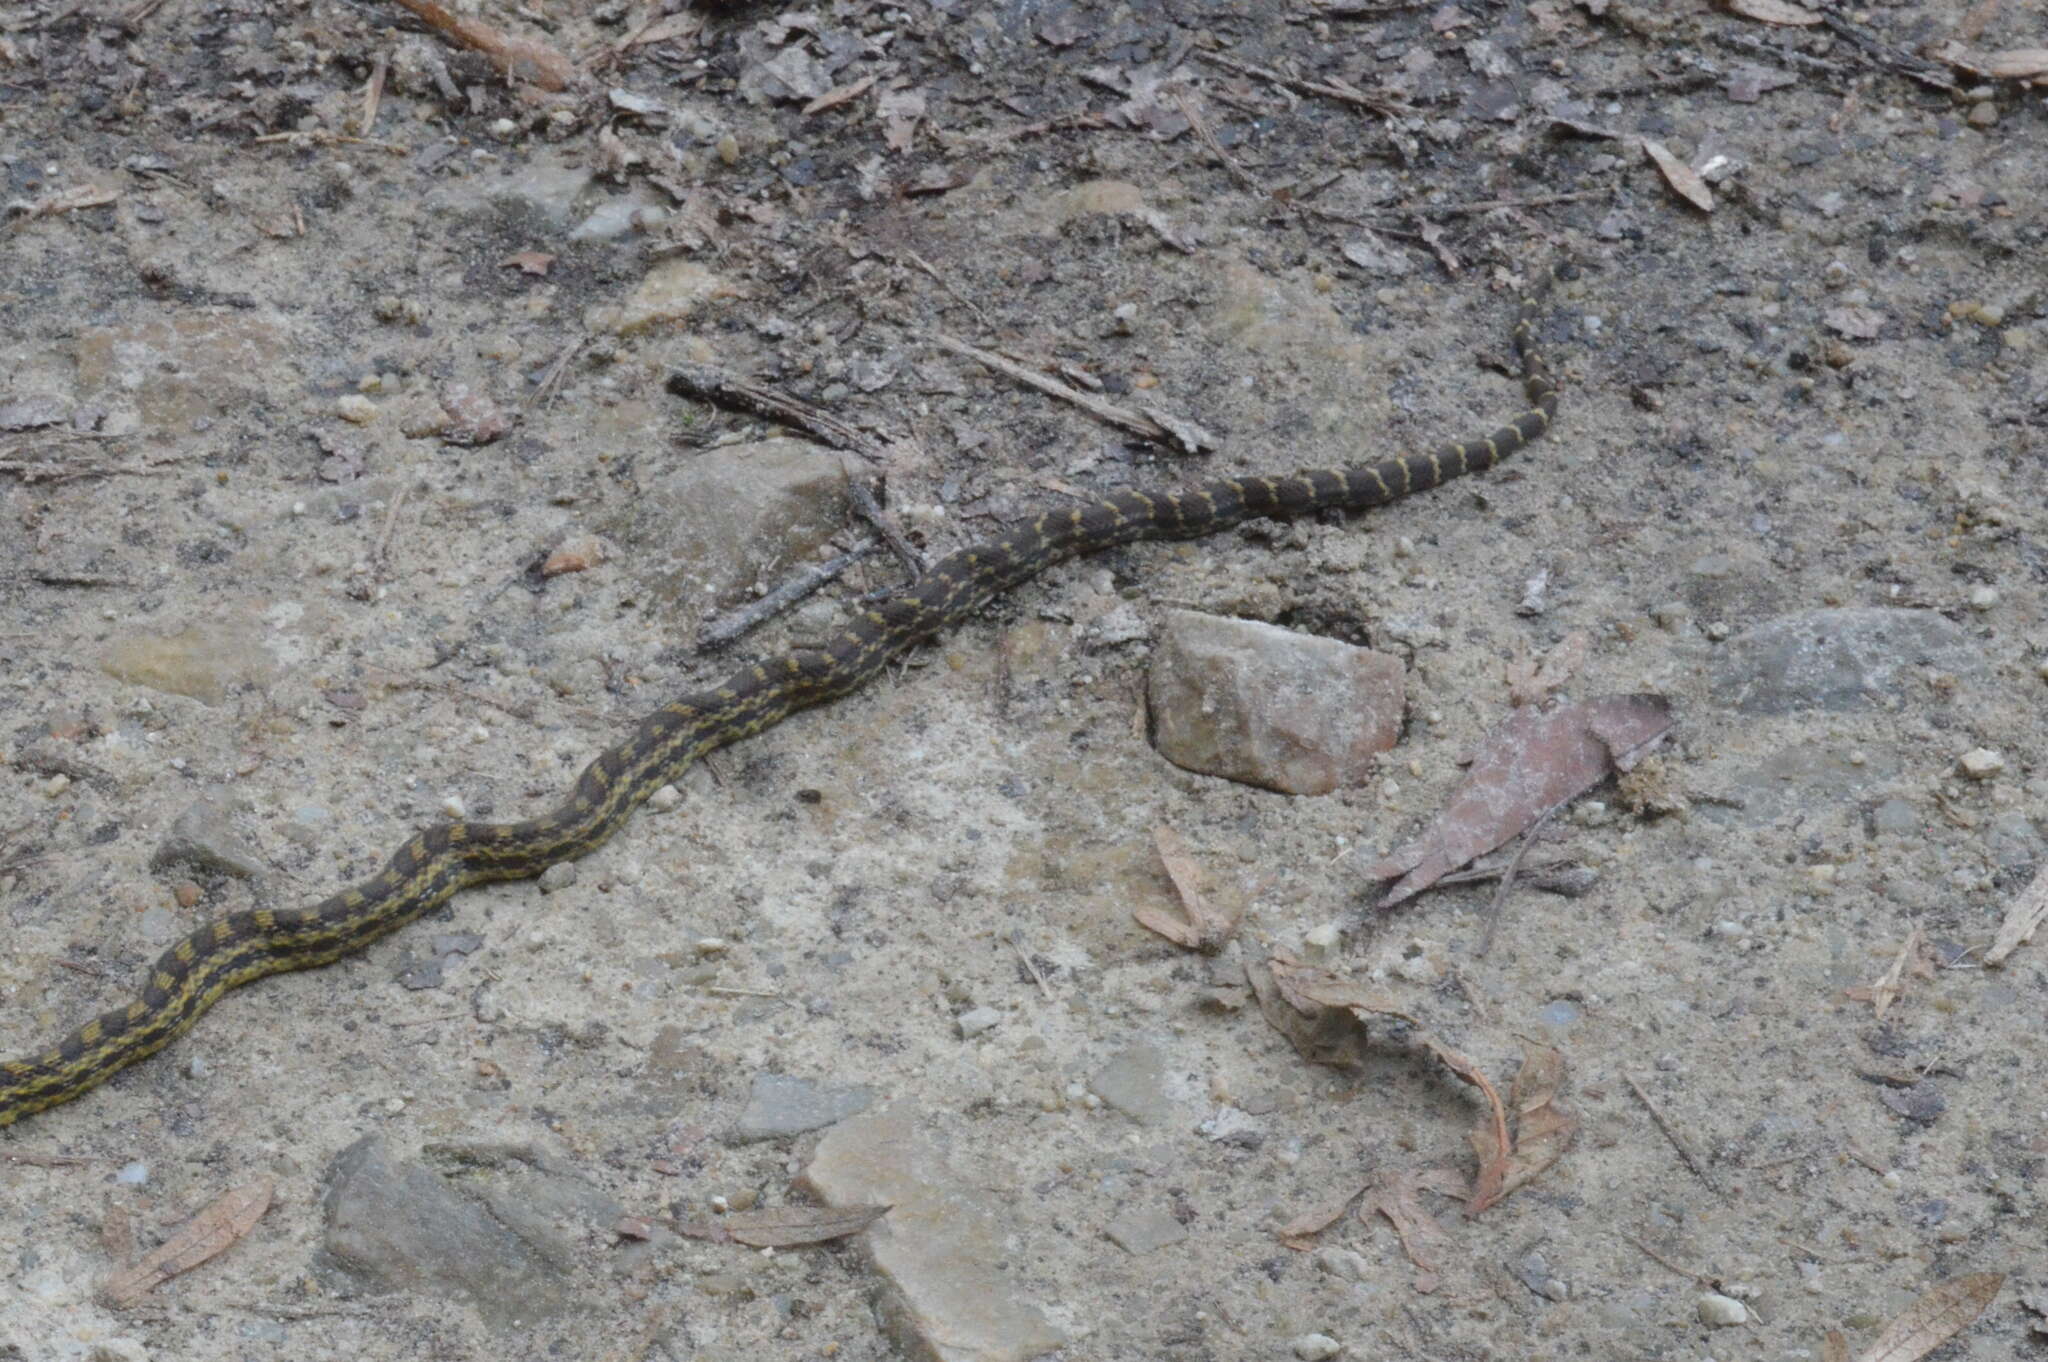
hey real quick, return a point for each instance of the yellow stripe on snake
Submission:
(437, 863)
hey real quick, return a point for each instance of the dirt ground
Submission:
(341, 491)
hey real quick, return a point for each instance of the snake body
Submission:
(437, 863)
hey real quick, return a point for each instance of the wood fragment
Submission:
(2022, 919)
(705, 383)
(1681, 177)
(718, 632)
(516, 59)
(215, 1229)
(784, 1226)
(1144, 427)
(1891, 985)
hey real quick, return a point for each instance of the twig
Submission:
(1342, 93)
(1488, 205)
(322, 137)
(1031, 966)
(1507, 880)
(1660, 1258)
(1670, 1133)
(870, 510)
(716, 386)
(1144, 427)
(390, 524)
(719, 632)
(1885, 55)
(1195, 121)
(544, 391)
(46, 1160)
(33, 471)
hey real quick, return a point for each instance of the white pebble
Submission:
(664, 799)
(1981, 763)
(132, 1174)
(1720, 1312)
(1316, 1347)
(452, 806)
(355, 409)
(1983, 597)
(976, 1020)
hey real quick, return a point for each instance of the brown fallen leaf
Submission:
(1935, 1318)
(1317, 996)
(785, 1226)
(224, 1220)
(1542, 1129)
(1299, 1233)
(1680, 176)
(1530, 764)
(1206, 928)
(839, 95)
(1396, 1196)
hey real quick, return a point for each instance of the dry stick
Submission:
(716, 386)
(390, 524)
(544, 391)
(1670, 1133)
(1194, 118)
(1144, 427)
(1507, 880)
(871, 511)
(719, 632)
(1681, 1271)
(1343, 94)
(1488, 205)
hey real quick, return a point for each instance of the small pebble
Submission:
(1981, 763)
(132, 1174)
(1315, 1347)
(355, 409)
(664, 799)
(977, 1020)
(1983, 597)
(560, 875)
(1720, 1312)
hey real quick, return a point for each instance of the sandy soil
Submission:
(248, 561)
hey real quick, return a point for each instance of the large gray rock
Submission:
(1842, 659)
(1271, 707)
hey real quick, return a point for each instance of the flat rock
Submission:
(400, 1226)
(1135, 1084)
(202, 839)
(204, 662)
(780, 1106)
(181, 369)
(941, 1250)
(1837, 659)
(728, 519)
(1267, 706)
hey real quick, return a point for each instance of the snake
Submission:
(446, 858)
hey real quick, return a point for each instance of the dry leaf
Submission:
(786, 1226)
(1542, 1129)
(1773, 12)
(1206, 928)
(1935, 1318)
(1297, 1233)
(1680, 176)
(1396, 1196)
(226, 1219)
(1529, 765)
(1834, 1346)
(2026, 914)
(667, 29)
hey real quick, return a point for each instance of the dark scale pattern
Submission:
(430, 868)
